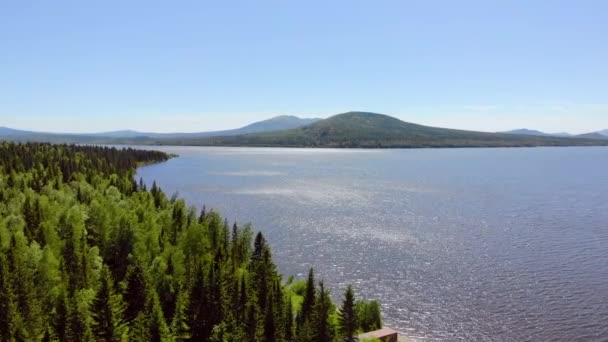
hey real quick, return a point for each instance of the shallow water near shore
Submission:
(457, 244)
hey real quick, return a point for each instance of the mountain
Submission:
(604, 132)
(5, 131)
(125, 134)
(525, 131)
(596, 135)
(278, 123)
(352, 129)
(562, 134)
(364, 129)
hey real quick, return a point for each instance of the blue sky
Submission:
(196, 65)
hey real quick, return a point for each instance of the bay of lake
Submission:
(457, 244)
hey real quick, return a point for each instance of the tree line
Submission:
(88, 254)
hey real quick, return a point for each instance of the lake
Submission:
(457, 244)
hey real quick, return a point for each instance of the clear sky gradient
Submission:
(84, 66)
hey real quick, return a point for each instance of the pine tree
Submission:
(179, 326)
(215, 294)
(178, 221)
(270, 332)
(347, 319)
(258, 247)
(288, 327)
(135, 292)
(10, 319)
(308, 302)
(139, 330)
(61, 316)
(251, 322)
(167, 290)
(203, 215)
(157, 327)
(320, 316)
(121, 244)
(79, 318)
(22, 264)
(142, 185)
(31, 215)
(200, 312)
(368, 315)
(242, 299)
(107, 310)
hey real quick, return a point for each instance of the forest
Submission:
(87, 253)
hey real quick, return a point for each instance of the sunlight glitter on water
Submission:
(462, 244)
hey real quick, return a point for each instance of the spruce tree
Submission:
(308, 302)
(157, 327)
(270, 331)
(79, 318)
(135, 292)
(179, 326)
(320, 316)
(347, 319)
(200, 312)
(107, 310)
(368, 315)
(60, 323)
(288, 327)
(9, 316)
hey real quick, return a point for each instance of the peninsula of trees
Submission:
(88, 254)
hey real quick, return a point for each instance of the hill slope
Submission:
(597, 136)
(604, 132)
(362, 129)
(6, 131)
(278, 123)
(525, 131)
(352, 129)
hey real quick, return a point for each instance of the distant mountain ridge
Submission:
(6, 131)
(595, 135)
(525, 131)
(372, 130)
(604, 132)
(352, 129)
(277, 123)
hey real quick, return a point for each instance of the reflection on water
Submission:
(470, 244)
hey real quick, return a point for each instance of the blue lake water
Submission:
(457, 244)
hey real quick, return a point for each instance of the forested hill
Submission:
(352, 129)
(371, 130)
(88, 254)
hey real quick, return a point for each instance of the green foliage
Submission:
(368, 315)
(322, 309)
(371, 130)
(352, 129)
(107, 310)
(347, 317)
(87, 254)
(135, 291)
